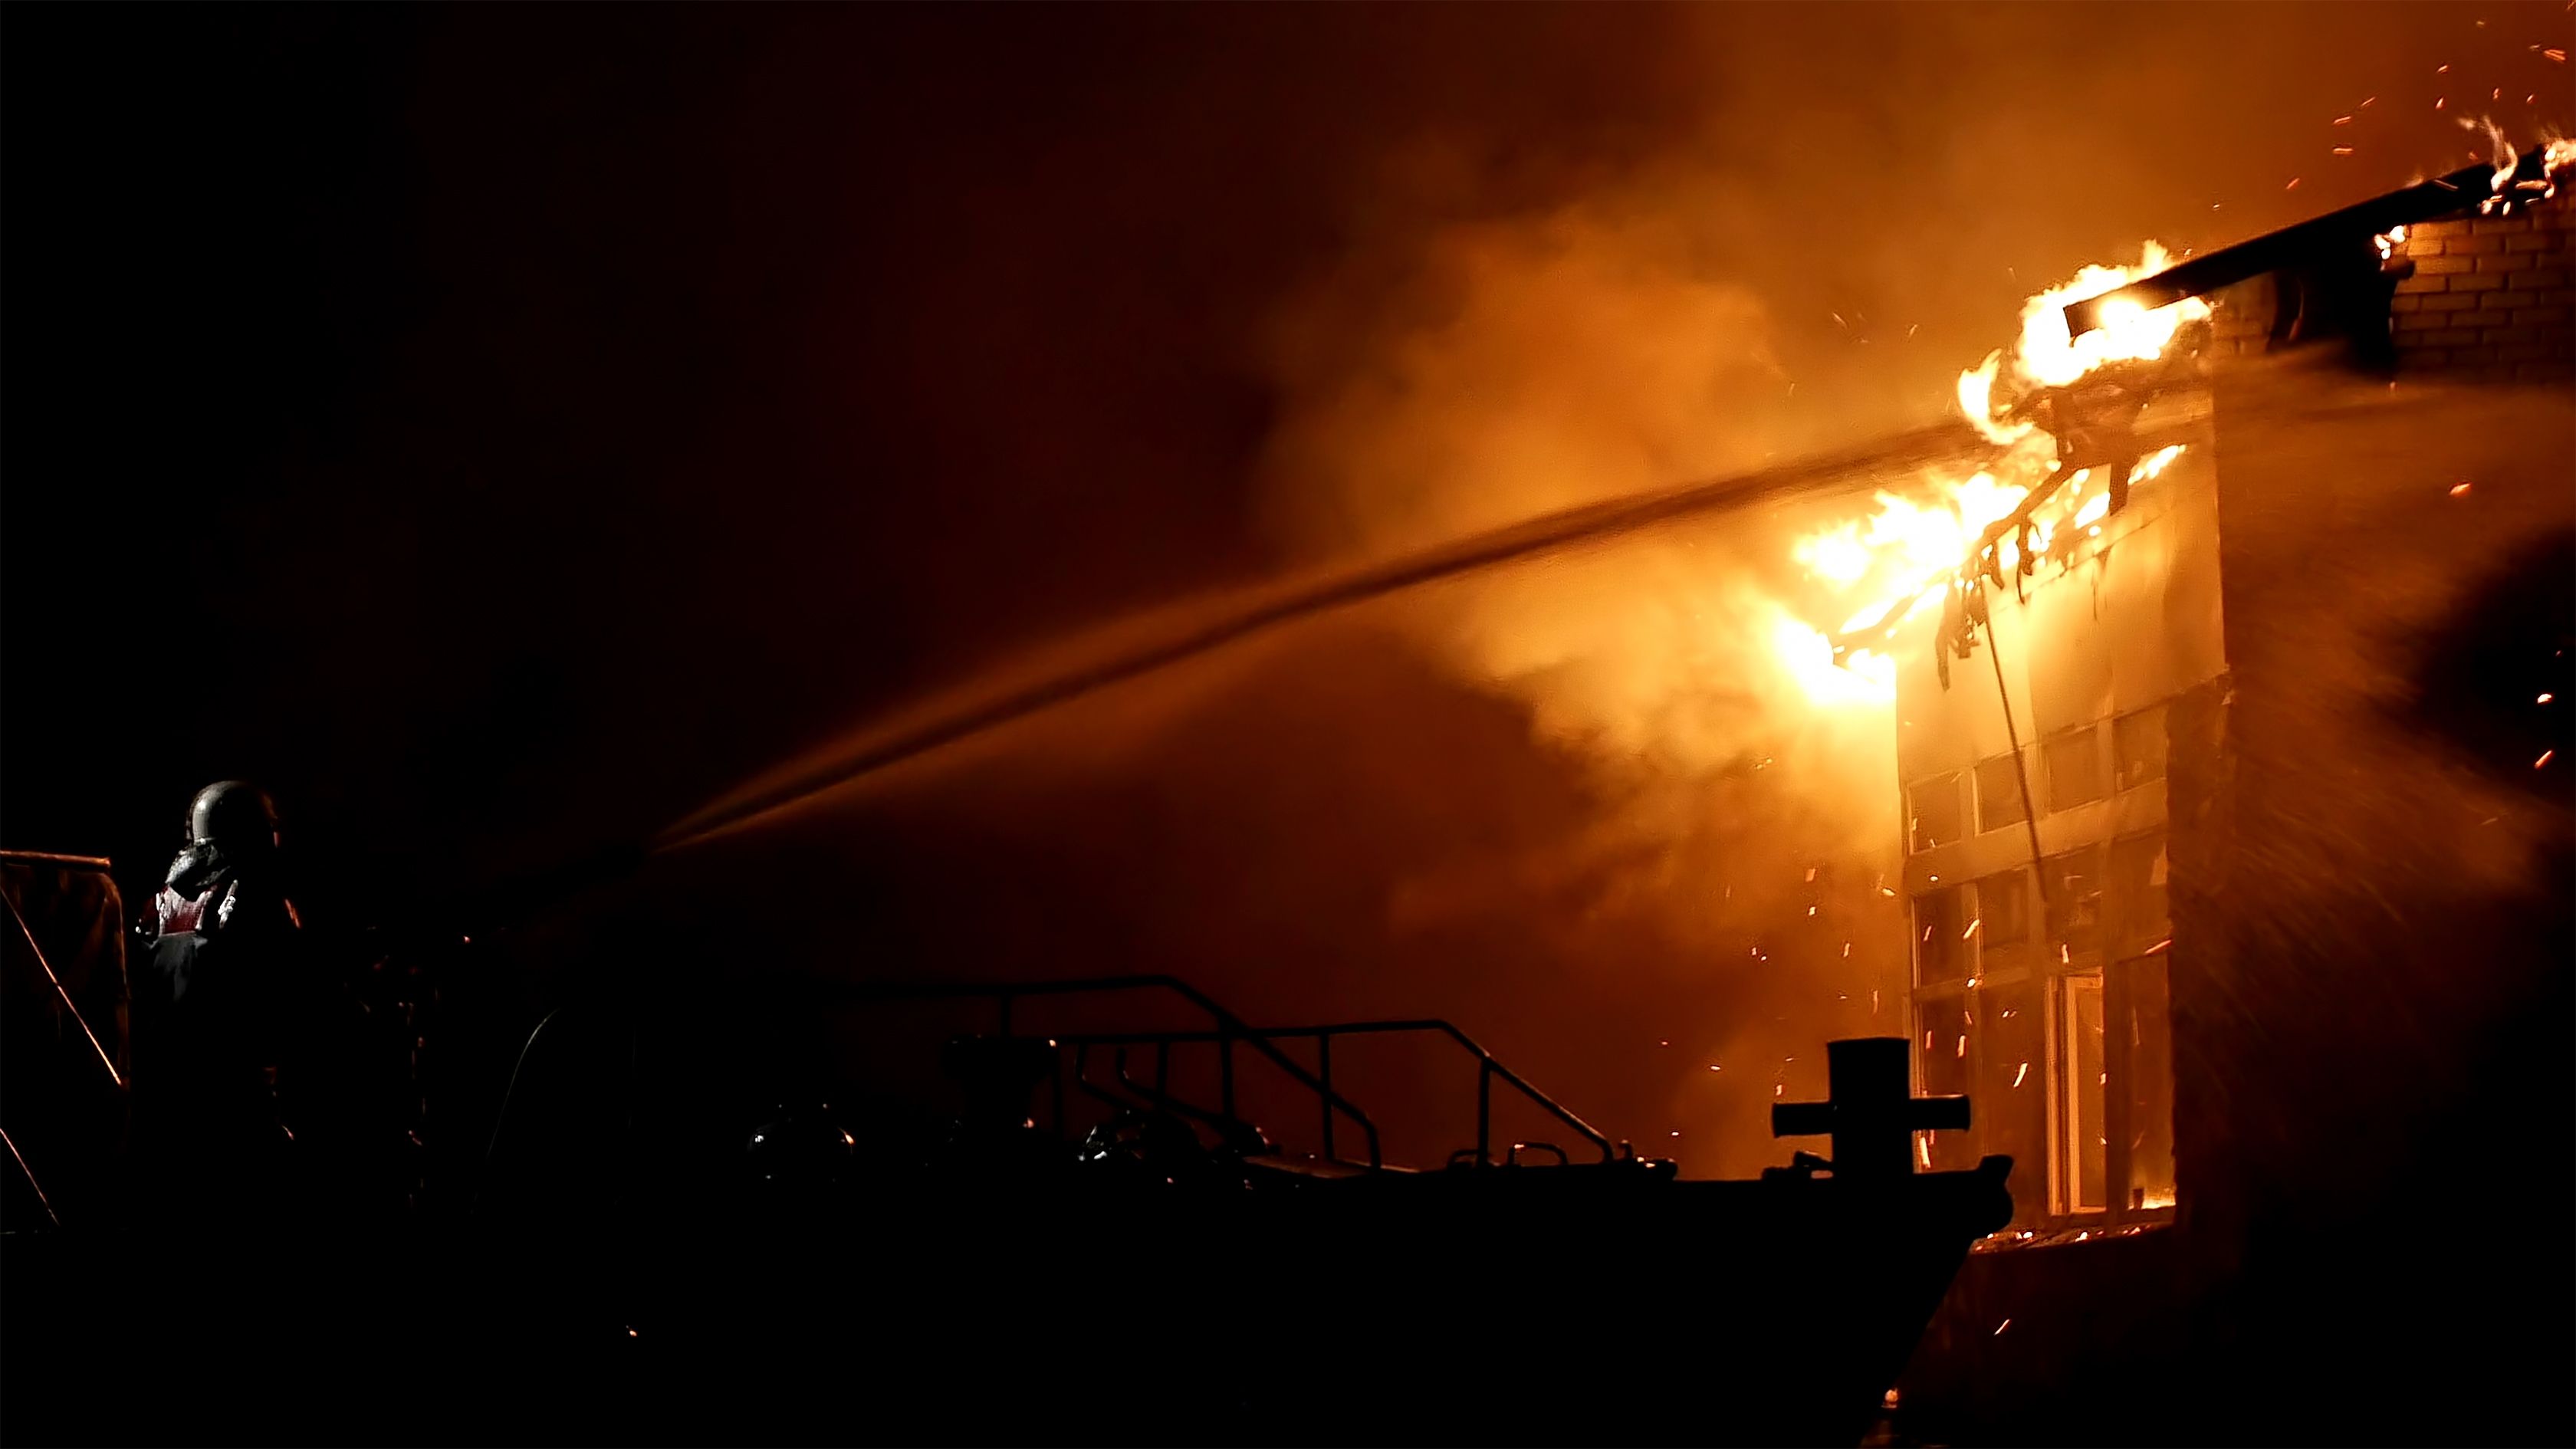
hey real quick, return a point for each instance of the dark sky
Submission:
(501, 429)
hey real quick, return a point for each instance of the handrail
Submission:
(1488, 1068)
(29, 1174)
(1230, 1029)
(65, 997)
(47, 857)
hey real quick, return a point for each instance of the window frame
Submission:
(2112, 959)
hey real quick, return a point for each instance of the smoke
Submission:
(1397, 277)
(1736, 832)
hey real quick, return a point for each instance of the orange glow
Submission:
(1877, 573)
(2049, 357)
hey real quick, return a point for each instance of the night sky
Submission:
(501, 429)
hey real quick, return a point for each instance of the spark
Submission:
(1846, 950)
(1714, 1067)
(2347, 120)
(2459, 488)
(2160, 946)
(2000, 1327)
(2555, 54)
(2546, 698)
(2545, 757)
(1882, 890)
(2023, 1072)
(2440, 101)
(1776, 1090)
(1963, 1048)
(2293, 186)
(1811, 910)
(1811, 872)
(2441, 70)
(1972, 928)
(2343, 150)
(2370, 101)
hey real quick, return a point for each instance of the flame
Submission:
(1902, 559)
(1879, 572)
(2049, 356)
(1976, 400)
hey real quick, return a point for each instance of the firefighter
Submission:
(216, 1008)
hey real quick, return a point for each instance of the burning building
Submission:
(2232, 783)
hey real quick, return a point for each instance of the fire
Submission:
(1976, 400)
(2048, 356)
(1877, 573)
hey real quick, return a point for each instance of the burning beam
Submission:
(2227, 266)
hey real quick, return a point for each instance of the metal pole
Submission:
(60, 994)
(1324, 1073)
(1484, 1112)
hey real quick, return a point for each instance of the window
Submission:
(1941, 953)
(2147, 1077)
(2137, 906)
(2074, 761)
(2138, 748)
(2003, 918)
(2044, 992)
(1934, 807)
(1999, 797)
(1947, 1053)
(2074, 896)
(2079, 1165)
(2011, 1104)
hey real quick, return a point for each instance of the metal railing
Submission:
(1227, 1031)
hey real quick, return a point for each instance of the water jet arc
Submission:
(1300, 598)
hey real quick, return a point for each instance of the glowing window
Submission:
(2003, 910)
(1941, 952)
(1934, 806)
(2074, 897)
(2078, 1167)
(2011, 1101)
(1946, 1044)
(2146, 1083)
(2074, 763)
(2138, 748)
(2137, 904)
(1999, 797)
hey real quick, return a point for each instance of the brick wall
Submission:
(2491, 296)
